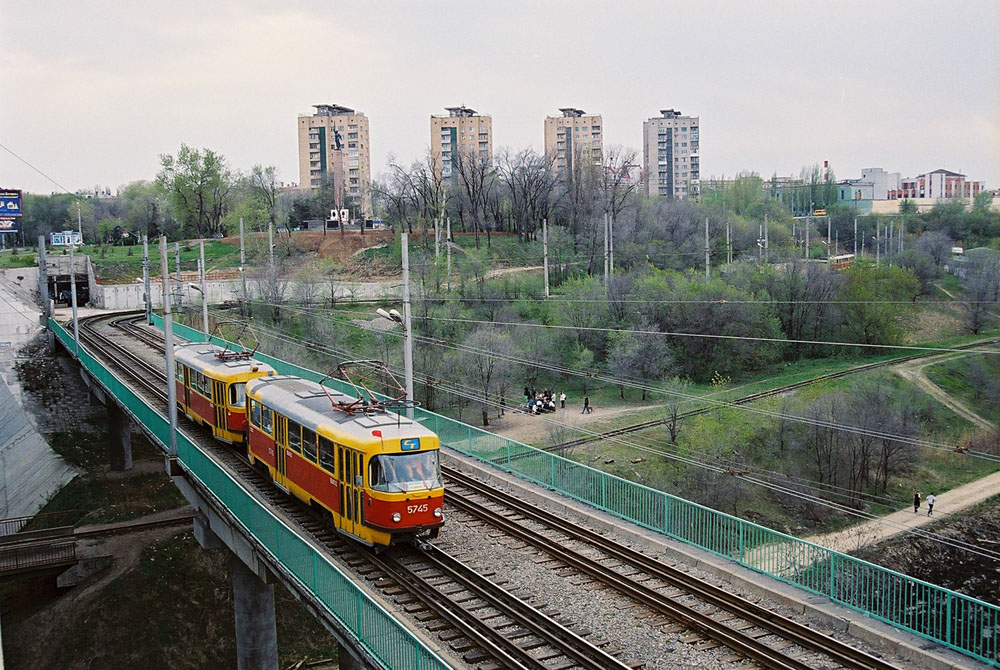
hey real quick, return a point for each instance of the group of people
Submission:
(931, 499)
(536, 403)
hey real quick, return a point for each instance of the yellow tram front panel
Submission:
(379, 485)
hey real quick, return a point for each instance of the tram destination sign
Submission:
(10, 202)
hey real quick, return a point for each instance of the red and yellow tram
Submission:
(377, 473)
(210, 387)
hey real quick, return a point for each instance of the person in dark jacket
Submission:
(916, 501)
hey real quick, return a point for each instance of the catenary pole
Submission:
(204, 292)
(878, 243)
(243, 270)
(447, 248)
(611, 245)
(808, 226)
(177, 260)
(437, 239)
(72, 299)
(168, 341)
(708, 269)
(545, 254)
(829, 245)
(855, 237)
(766, 240)
(407, 334)
(43, 280)
(729, 242)
(605, 254)
(145, 279)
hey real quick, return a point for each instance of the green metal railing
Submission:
(383, 636)
(942, 615)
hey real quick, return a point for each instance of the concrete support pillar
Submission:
(119, 438)
(347, 662)
(253, 604)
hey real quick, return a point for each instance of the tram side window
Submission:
(309, 444)
(255, 413)
(265, 419)
(179, 369)
(237, 395)
(294, 436)
(208, 386)
(327, 459)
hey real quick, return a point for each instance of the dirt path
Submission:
(914, 372)
(948, 502)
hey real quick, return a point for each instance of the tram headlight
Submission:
(397, 517)
(438, 513)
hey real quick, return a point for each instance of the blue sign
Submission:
(10, 203)
(9, 225)
(410, 444)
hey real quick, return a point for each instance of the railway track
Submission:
(482, 624)
(438, 589)
(750, 398)
(752, 631)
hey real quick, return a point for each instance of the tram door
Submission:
(219, 402)
(187, 386)
(349, 471)
(280, 442)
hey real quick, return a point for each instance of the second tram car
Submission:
(210, 387)
(377, 473)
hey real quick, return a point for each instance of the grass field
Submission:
(967, 378)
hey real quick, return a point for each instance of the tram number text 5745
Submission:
(413, 509)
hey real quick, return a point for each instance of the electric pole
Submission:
(708, 272)
(545, 254)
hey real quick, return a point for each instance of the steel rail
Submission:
(790, 630)
(493, 643)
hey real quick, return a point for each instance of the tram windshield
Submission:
(405, 472)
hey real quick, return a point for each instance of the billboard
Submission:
(10, 202)
(9, 225)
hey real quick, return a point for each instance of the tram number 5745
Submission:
(413, 509)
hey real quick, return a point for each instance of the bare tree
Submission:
(477, 180)
(528, 180)
(678, 391)
(490, 365)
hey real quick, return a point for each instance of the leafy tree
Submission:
(643, 356)
(869, 307)
(199, 185)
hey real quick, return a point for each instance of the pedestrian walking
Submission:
(930, 504)
(526, 392)
(586, 405)
(562, 399)
(916, 501)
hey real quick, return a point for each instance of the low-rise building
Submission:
(939, 184)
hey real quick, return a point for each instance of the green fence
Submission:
(384, 637)
(944, 616)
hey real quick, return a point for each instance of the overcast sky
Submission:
(93, 92)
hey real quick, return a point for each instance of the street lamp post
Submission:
(404, 319)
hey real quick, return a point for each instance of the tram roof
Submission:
(307, 403)
(201, 356)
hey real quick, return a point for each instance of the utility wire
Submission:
(463, 391)
(11, 152)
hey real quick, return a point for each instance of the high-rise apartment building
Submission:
(671, 156)
(464, 133)
(334, 146)
(574, 137)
